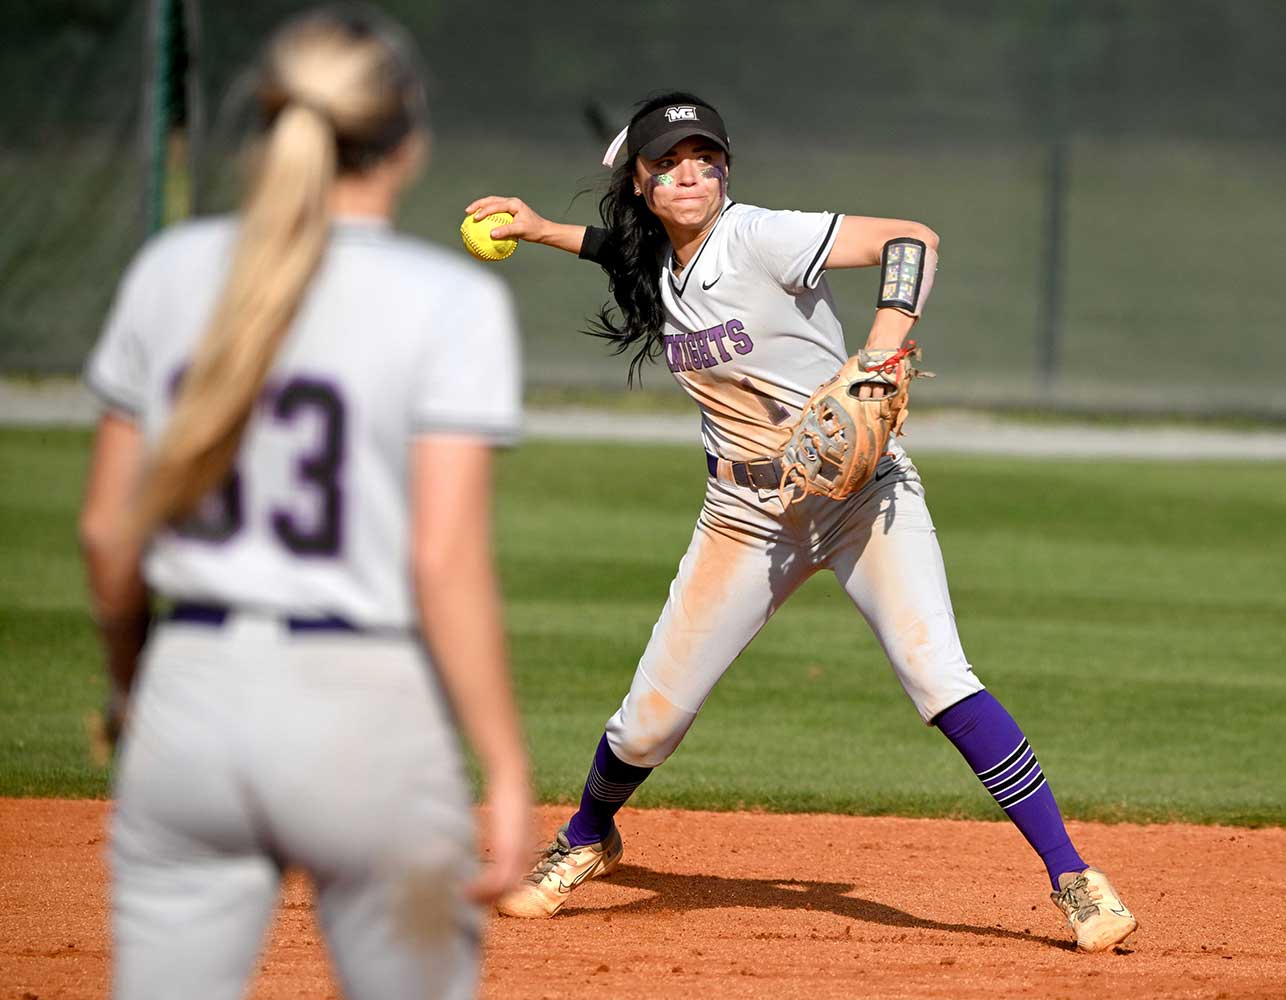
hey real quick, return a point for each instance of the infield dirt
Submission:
(753, 905)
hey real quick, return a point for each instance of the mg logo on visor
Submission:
(682, 113)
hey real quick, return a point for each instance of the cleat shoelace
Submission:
(1080, 897)
(555, 854)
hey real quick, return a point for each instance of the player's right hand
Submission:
(527, 225)
(509, 832)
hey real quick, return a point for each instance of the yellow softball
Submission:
(477, 237)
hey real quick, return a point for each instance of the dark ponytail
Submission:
(635, 238)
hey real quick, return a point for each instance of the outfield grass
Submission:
(1131, 615)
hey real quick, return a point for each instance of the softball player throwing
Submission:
(734, 299)
(300, 411)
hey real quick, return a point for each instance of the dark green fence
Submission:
(1106, 175)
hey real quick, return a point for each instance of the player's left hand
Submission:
(841, 436)
(509, 832)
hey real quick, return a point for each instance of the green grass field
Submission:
(1131, 615)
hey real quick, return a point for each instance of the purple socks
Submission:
(986, 736)
(989, 739)
(610, 782)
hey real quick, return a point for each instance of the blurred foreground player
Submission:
(296, 454)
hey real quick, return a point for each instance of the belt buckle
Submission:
(770, 468)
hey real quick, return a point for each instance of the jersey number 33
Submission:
(221, 515)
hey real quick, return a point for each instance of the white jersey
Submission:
(393, 338)
(750, 333)
(750, 326)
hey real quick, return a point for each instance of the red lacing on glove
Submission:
(896, 358)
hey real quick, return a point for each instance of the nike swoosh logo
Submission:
(884, 475)
(706, 288)
(564, 888)
(1122, 912)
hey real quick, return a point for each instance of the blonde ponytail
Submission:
(283, 233)
(340, 92)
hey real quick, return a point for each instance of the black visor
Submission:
(659, 130)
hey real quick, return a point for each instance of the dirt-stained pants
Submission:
(749, 554)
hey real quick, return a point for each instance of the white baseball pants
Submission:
(251, 749)
(749, 554)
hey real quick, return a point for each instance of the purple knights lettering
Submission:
(716, 335)
(675, 355)
(741, 342)
(690, 352)
(703, 351)
(688, 364)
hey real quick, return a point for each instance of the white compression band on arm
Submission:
(907, 267)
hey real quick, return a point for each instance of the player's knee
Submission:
(642, 750)
(648, 726)
(640, 746)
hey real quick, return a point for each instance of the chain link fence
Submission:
(1105, 174)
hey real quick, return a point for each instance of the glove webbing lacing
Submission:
(796, 474)
(890, 365)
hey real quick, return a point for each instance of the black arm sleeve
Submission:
(594, 247)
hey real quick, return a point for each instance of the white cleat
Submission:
(561, 869)
(1093, 910)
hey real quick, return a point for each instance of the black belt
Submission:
(759, 473)
(215, 615)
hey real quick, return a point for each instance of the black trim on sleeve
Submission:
(810, 278)
(594, 245)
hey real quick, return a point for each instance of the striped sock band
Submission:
(608, 785)
(1016, 778)
(998, 753)
(601, 789)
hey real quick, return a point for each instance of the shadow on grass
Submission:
(681, 893)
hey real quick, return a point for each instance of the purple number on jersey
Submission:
(221, 514)
(319, 469)
(218, 516)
